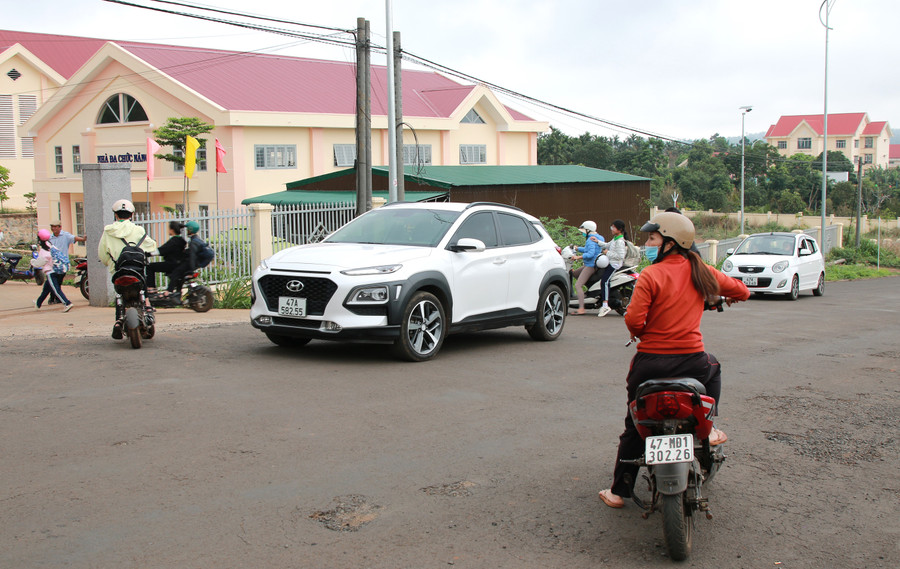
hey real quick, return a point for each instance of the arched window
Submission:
(121, 108)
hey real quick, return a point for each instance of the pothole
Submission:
(454, 489)
(349, 513)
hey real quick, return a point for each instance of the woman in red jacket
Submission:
(664, 314)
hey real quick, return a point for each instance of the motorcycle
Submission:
(132, 316)
(8, 270)
(674, 416)
(621, 284)
(81, 277)
(196, 296)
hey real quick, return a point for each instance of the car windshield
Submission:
(397, 226)
(766, 245)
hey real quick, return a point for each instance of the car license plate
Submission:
(751, 281)
(292, 306)
(667, 449)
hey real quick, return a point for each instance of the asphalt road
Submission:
(213, 448)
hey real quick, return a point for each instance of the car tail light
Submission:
(667, 405)
(126, 281)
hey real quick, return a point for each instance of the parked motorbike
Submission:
(9, 270)
(132, 316)
(81, 277)
(194, 295)
(674, 416)
(621, 285)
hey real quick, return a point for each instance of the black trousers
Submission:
(158, 267)
(702, 366)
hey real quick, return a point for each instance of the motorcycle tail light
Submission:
(667, 405)
(126, 281)
(195, 275)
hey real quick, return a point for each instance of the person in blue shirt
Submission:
(589, 254)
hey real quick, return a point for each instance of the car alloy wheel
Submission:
(422, 329)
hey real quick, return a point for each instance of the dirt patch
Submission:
(349, 513)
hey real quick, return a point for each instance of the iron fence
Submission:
(227, 232)
(308, 223)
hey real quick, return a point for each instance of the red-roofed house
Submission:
(280, 119)
(894, 158)
(851, 133)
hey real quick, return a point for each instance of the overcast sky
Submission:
(679, 68)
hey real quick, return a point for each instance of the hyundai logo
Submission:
(294, 286)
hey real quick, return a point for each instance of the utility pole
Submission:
(858, 197)
(361, 43)
(367, 118)
(827, 4)
(398, 103)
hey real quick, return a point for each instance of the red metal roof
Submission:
(241, 81)
(894, 152)
(838, 124)
(874, 127)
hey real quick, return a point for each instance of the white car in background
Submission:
(778, 263)
(412, 273)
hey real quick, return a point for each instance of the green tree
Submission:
(554, 148)
(789, 201)
(705, 180)
(173, 134)
(5, 185)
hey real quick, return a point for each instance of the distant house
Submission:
(853, 134)
(895, 156)
(67, 101)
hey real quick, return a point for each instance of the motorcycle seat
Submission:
(15, 257)
(687, 384)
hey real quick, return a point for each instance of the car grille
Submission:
(751, 269)
(317, 291)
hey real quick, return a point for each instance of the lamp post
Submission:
(828, 5)
(744, 111)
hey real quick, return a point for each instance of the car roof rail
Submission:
(473, 204)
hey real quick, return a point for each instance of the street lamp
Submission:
(744, 111)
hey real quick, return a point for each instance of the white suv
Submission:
(411, 273)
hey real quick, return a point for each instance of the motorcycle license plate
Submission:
(292, 306)
(751, 281)
(668, 449)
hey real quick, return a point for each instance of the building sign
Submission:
(118, 158)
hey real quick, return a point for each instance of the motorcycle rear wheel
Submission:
(85, 291)
(133, 327)
(4, 274)
(625, 299)
(202, 300)
(676, 526)
(39, 277)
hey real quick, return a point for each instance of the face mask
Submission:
(651, 253)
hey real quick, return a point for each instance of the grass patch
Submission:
(854, 272)
(234, 293)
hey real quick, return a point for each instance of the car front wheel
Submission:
(551, 315)
(820, 288)
(795, 288)
(422, 329)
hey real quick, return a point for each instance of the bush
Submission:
(867, 254)
(234, 293)
(561, 232)
(853, 272)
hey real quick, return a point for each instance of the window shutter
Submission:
(7, 128)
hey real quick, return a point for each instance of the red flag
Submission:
(220, 158)
(152, 148)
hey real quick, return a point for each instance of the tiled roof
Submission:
(241, 81)
(874, 127)
(838, 124)
(894, 152)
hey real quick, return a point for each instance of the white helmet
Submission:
(602, 261)
(123, 206)
(590, 226)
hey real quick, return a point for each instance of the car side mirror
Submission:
(468, 244)
(804, 251)
(729, 251)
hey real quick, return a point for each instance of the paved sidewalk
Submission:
(19, 319)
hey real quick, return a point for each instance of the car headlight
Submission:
(262, 265)
(379, 270)
(727, 266)
(780, 266)
(375, 294)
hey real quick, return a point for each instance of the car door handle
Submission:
(499, 260)
(537, 255)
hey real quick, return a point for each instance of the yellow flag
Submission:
(190, 156)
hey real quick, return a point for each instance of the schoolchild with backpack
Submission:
(55, 266)
(124, 244)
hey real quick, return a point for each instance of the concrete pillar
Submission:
(260, 233)
(713, 251)
(103, 185)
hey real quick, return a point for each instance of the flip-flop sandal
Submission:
(605, 496)
(578, 314)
